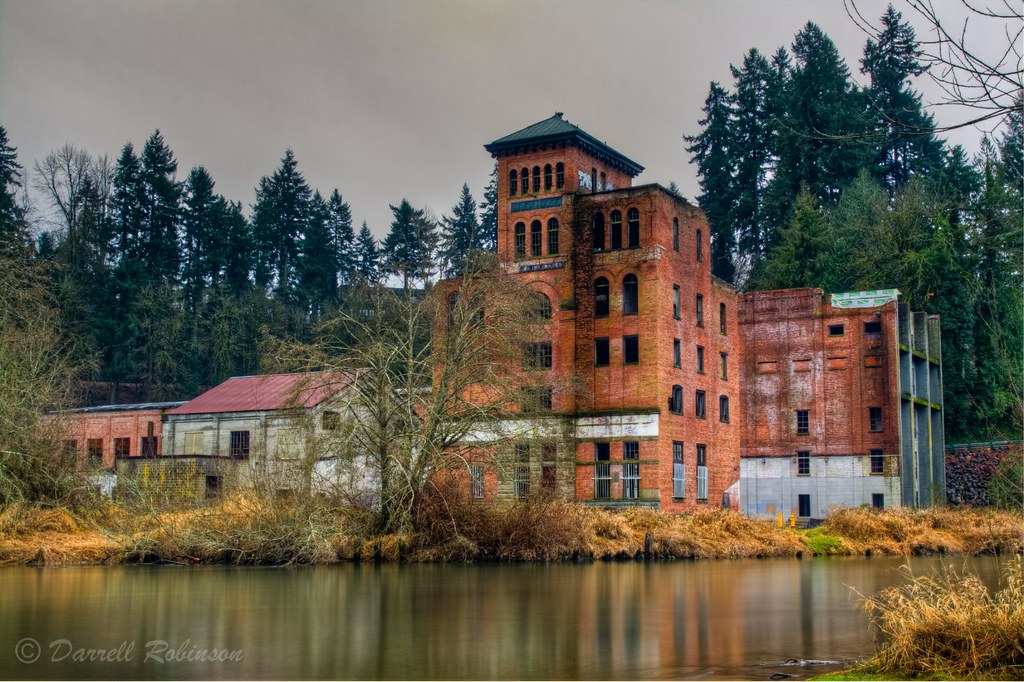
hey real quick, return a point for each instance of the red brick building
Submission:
(105, 433)
(662, 376)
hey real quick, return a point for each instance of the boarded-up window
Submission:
(767, 367)
(837, 363)
(801, 365)
(94, 447)
(122, 447)
(194, 443)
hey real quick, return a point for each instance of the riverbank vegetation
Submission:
(250, 529)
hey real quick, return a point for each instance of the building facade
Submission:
(669, 387)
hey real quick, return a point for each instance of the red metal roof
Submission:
(267, 392)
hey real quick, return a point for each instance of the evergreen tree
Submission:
(237, 259)
(367, 257)
(318, 265)
(200, 234)
(906, 133)
(488, 240)
(13, 230)
(161, 209)
(279, 220)
(343, 237)
(460, 236)
(801, 257)
(127, 202)
(711, 150)
(408, 249)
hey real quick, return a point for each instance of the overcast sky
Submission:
(383, 99)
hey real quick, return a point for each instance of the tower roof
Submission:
(556, 131)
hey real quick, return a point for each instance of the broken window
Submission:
(94, 449)
(700, 246)
(721, 318)
(615, 223)
(476, 481)
(559, 175)
(700, 405)
(675, 234)
(538, 355)
(601, 297)
(598, 231)
(630, 349)
(601, 352)
(630, 295)
(633, 228)
(548, 477)
(122, 447)
(543, 309)
(675, 402)
(675, 301)
(148, 448)
(873, 330)
(836, 329)
(724, 357)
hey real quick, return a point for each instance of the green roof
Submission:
(556, 130)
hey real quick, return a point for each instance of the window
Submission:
(476, 481)
(803, 506)
(700, 310)
(723, 408)
(601, 297)
(700, 359)
(536, 178)
(877, 462)
(873, 330)
(194, 443)
(675, 301)
(593, 179)
(803, 464)
(535, 239)
(122, 447)
(678, 471)
(803, 423)
(212, 486)
(675, 403)
(724, 357)
(702, 473)
(94, 449)
(604, 182)
(677, 356)
(520, 240)
(148, 446)
(331, 420)
(633, 228)
(602, 471)
(598, 231)
(548, 478)
(522, 472)
(630, 350)
(547, 176)
(721, 318)
(630, 470)
(630, 295)
(700, 246)
(553, 236)
(878, 500)
(239, 444)
(875, 418)
(836, 330)
(543, 308)
(559, 175)
(675, 234)
(538, 355)
(70, 447)
(615, 218)
(524, 177)
(700, 408)
(601, 353)
(513, 183)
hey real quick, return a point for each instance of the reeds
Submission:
(949, 626)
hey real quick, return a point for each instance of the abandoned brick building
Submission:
(683, 385)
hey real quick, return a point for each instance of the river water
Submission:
(673, 620)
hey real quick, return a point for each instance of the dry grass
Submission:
(950, 627)
(904, 532)
(50, 536)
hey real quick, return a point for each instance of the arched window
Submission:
(559, 175)
(633, 228)
(721, 317)
(536, 178)
(520, 240)
(604, 182)
(600, 297)
(630, 295)
(598, 232)
(543, 308)
(524, 175)
(700, 246)
(593, 179)
(675, 234)
(615, 220)
(547, 176)
(513, 183)
(675, 402)
(535, 238)
(553, 236)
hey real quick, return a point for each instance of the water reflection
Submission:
(605, 621)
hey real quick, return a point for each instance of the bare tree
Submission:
(976, 61)
(69, 177)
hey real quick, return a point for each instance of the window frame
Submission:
(803, 422)
(700, 310)
(803, 463)
(723, 359)
(597, 232)
(700, 404)
(675, 234)
(675, 401)
(722, 325)
(678, 470)
(677, 353)
(602, 342)
(876, 421)
(631, 349)
(630, 299)
(633, 228)
(700, 359)
(631, 470)
(553, 236)
(702, 472)
(239, 444)
(677, 302)
(536, 239)
(877, 461)
(602, 307)
(723, 409)
(519, 240)
(547, 177)
(615, 229)
(513, 182)
(602, 471)
(476, 481)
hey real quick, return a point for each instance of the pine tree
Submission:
(161, 208)
(279, 219)
(367, 257)
(906, 133)
(711, 150)
(318, 263)
(13, 230)
(800, 259)
(408, 249)
(343, 238)
(200, 232)
(460, 236)
(488, 239)
(127, 201)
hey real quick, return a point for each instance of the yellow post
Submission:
(792, 520)
(780, 519)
